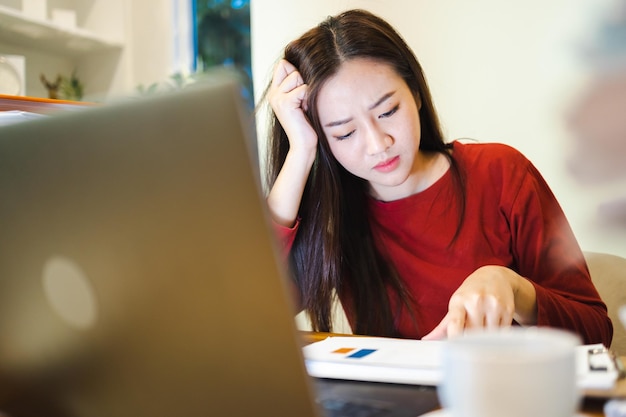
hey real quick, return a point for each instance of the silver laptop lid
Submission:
(137, 271)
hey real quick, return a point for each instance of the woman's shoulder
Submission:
(475, 148)
(487, 154)
(498, 164)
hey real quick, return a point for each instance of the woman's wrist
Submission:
(303, 154)
(286, 194)
(525, 301)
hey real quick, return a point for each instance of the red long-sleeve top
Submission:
(511, 219)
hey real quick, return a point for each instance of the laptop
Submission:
(139, 275)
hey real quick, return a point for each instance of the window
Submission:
(222, 37)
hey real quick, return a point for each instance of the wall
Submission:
(160, 40)
(499, 71)
(117, 45)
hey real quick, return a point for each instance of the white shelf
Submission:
(21, 30)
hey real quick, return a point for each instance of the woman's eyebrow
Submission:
(381, 100)
(372, 107)
(338, 122)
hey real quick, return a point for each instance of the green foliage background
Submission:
(223, 36)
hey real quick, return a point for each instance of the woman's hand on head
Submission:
(490, 297)
(288, 98)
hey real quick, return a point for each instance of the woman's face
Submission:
(370, 119)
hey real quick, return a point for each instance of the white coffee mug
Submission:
(515, 372)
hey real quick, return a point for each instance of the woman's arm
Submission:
(548, 283)
(550, 256)
(287, 97)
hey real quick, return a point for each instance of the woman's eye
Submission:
(389, 113)
(346, 136)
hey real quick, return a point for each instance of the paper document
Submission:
(14, 116)
(419, 362)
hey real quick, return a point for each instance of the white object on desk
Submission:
(596, 368)
(416, 361)
(446, 413)
(375, 359)
(615, 408)
(516, 372)
(16, 116)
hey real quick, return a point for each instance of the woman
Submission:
(419, 238)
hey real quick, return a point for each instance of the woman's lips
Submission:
(388, 164)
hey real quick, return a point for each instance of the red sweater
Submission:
(511, 219)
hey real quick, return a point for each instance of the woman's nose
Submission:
(377, 141)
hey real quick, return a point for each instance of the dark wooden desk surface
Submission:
(591, 406)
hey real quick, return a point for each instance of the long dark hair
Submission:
(334, 248)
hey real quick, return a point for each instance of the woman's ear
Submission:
(418, 101)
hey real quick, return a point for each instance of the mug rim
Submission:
(524, 341)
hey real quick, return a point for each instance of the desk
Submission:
(592, 404)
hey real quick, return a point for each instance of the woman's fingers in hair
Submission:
(286, 76)
(288, 87)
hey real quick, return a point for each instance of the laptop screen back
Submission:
(137, 271)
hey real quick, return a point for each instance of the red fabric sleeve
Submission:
(549, 256)
(286, 236)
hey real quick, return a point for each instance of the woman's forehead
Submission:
(359, 82)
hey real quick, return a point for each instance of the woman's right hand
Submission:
(288, 98)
